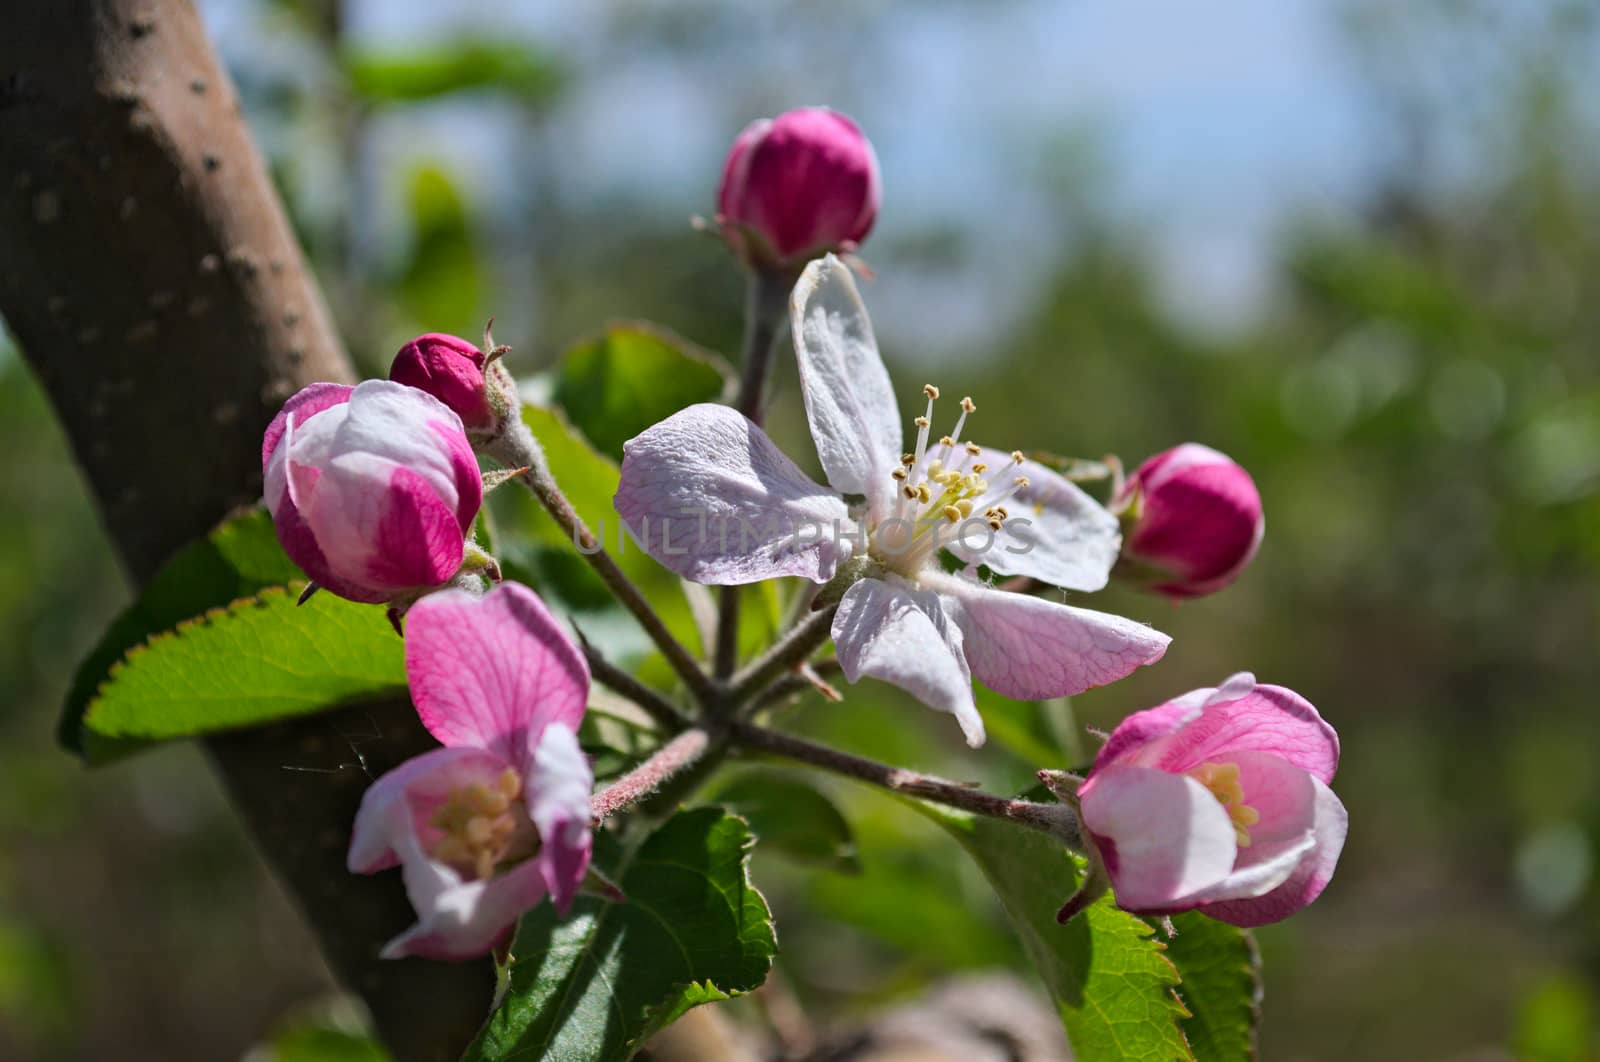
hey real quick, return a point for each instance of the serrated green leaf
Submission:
(791, 817)
(259, 659)
(238, 558)
(592, 986)
(1221, 985)
(395, 76)
(631, 376)
(1107, 975)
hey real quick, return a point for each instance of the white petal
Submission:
(1032, 649)
(1163, 837)
(1055, 532)
(716, 501)
(903, 636)
(849, 400)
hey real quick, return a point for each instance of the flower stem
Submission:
(1057, 820)
(517, 448)
(649, 700)
(764, 310)
(787, 653)
(670, 760)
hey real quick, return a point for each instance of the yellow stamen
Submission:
(952, 513)
(967, 406)
(930, 390)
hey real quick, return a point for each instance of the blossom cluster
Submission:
(1216, 800)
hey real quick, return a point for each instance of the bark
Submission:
(150, 276)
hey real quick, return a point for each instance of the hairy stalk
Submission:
(1057, 820)
(764, 311)
(669, 761)
(793, 685)
(786, 654)
(517, 448)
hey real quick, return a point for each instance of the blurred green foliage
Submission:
(1420, 406)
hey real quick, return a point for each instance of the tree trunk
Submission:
(150, 275)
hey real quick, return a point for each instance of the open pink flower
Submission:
(1197, 520)
(1219, 801)
(802, 183)
(373, 489)
(487, 826)
(716, 501)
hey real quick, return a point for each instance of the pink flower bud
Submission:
(796, 186)
(373, 489)
(451, 370)
(1196, 520)
(1218, 801)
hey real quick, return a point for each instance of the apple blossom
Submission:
(715, 500)
(459, 374)
(1196, 520)
(1218, 801)
(486, 827)
(800, 184)
(373, 489)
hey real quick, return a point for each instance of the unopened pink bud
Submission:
(797, 186)
(452, 370)
(1197, 520)
(373, 489)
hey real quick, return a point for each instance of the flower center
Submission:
(1223, 781)
(941, 496)
(481, 824)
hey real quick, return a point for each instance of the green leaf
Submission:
(1108, 977)
(392, 76)
(444, 281)
(791, 817)
(238, 558)
(1038, 733)
(1221, 985)
(630, 377)
(595, 984)
(257, 660)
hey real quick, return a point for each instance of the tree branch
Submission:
(152, 280)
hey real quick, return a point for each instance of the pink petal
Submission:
(716, 501)
(301, 546)
(395, 807)
(850, 402)
(1309, 878)
(305, 404)
(1032, 649)
(462, 919)
(493, 672)
(558, 792)
(1266, 719)
(903, 636)
(1285, 797)
(1055, 533)
(1163, 836)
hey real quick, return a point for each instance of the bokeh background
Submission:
(1354, 244)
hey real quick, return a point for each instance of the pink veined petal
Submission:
(1031, 649)
(558, 792)
(1267, 719)
(1163, 836)
(305, 404)
(459, 919)
(1055, 532)
(391, 422)
(389, 808)
(386, 522)
(494, 671)
(301, 546)
(1309, 878)
(1285, 798)
(903, 636)
(850, 404)
(1141, 729)
(464, 472)
(716, 501)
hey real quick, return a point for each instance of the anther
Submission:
(979, 469)
(967, 406)
(964, 506)
(1016, 455)
(921, 422)
(994, 525)
(1021, 482)
(899, 473)
(930, 390)
(946, 441)
(974, 449)
(910, 492)
(952, 513)
(908, 459)
(923, 494)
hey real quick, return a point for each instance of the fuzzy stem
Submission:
(764, 312)
(1054, 819)
(787, 653)
(517, 448)
(671, 759)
